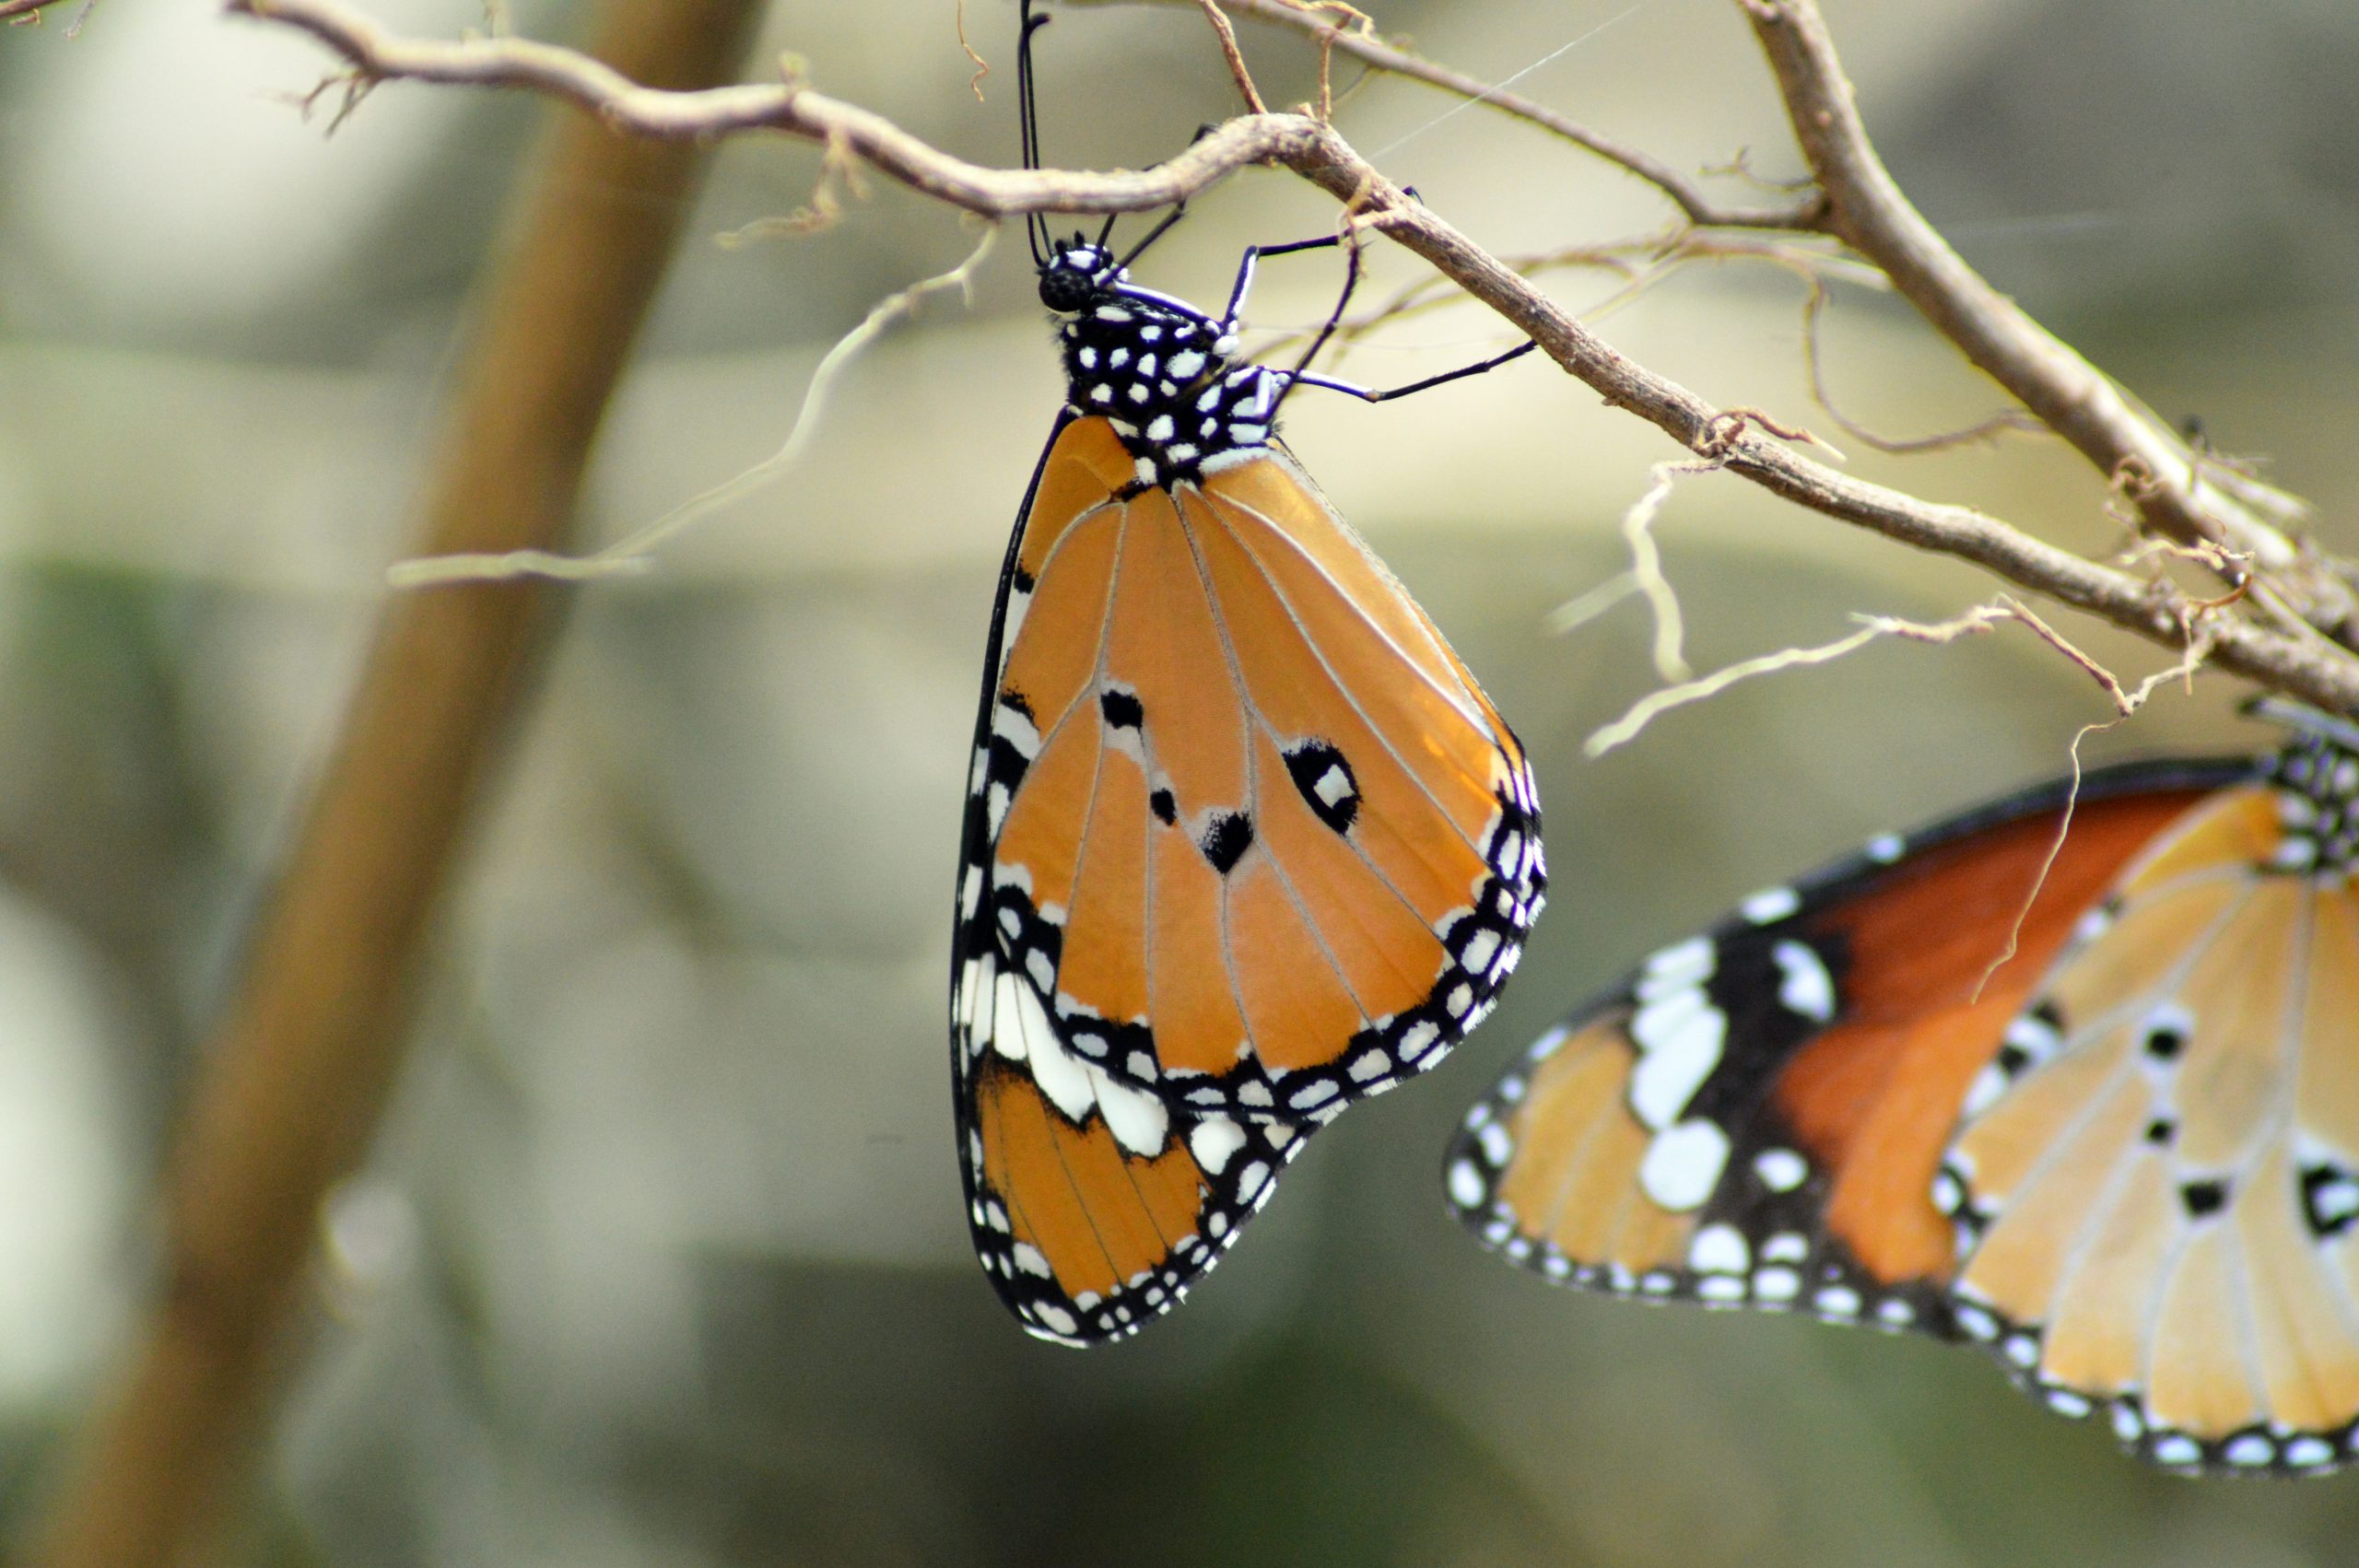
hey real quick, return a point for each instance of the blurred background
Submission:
(661, 1259)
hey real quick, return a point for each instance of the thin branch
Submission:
(376, 54)
(1647, 708)
(2007, 421)
(1235, 56)
(1866, 209)
(2289, 659)
(1342, 37)
(30, 11)
(634, 553)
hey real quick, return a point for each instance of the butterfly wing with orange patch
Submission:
(2156, 1193)
(1759, 1115)
(1245, 843)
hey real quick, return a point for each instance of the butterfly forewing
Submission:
(1245, 843)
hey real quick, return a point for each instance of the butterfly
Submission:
(2108, 1132)
(1244, 840)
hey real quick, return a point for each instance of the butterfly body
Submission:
(2108, 1132)
(1244, 841)
(1161, 373)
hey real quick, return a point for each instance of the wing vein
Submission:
(1457, 700)
(1350, 698)
(1245, 716)
(1105, 632)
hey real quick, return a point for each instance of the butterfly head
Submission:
(1076, 275)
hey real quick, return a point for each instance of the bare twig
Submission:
(982, 66)
(1866, 209)
(2006, 421)
(634, 553)
(2290, 659)
(29, 10)
(1236, 58)
(2125, 703)
(303, 1058)
(1342, 36)
(1647, 709)
(1645, 575)
(379, 55)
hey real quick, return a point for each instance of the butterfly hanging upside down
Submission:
(2127, 1163)
(1244, 842)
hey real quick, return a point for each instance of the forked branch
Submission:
(2272, 636)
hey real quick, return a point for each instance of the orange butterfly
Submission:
(1245, 842)
(2126, 1163)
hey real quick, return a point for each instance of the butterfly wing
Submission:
(1244, 843)
(2157, 1192)
(1761, 1116)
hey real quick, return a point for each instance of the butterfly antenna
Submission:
(1036, 226)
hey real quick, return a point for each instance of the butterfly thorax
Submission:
(2317, 805)
(1161, 372)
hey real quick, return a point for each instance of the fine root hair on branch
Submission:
(1644, 576)
(2007, 421)
(2126, 700)
(634, 554)
(1647, 709)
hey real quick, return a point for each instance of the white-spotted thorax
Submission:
(1162, 373)
(2317, 777)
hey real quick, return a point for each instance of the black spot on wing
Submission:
(1323, 775)
(1227, 840)
(1166, 809)
(1122, 709)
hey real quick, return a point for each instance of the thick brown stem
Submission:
(302, 1060)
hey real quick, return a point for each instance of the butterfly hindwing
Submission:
(2156, 1195)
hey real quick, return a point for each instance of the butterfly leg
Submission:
(1254, 254)
(1374, 394)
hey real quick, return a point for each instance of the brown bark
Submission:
(303, 1058)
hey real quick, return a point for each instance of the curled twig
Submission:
(1655, 704)
(2005, 422)
(982, 66)
(1369, 50)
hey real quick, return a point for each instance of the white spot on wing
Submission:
(1719, 1249)
(1214, 1143)
(1138, 1120)
(1804, 986)
(1780, 1170)
(1683, 1164)
(1677, 968)
(1681, 1050)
